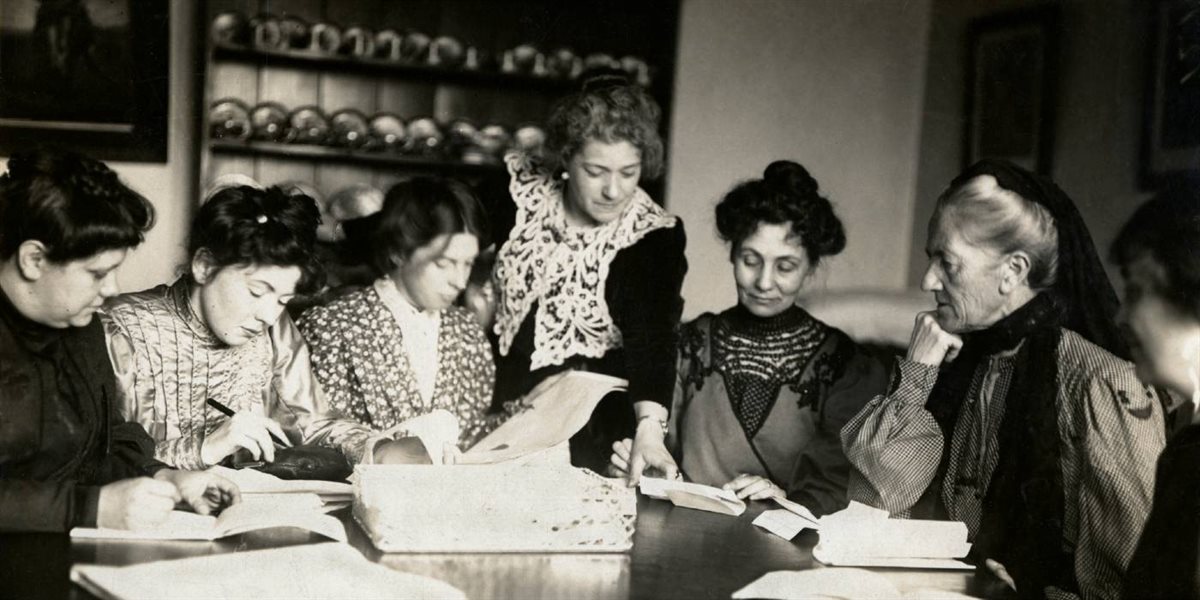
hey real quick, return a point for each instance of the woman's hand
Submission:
(930, 344)
(754, 487)
(205, 492)
(618, 463)
(242, 430)
(134, 504)
(1001, 573)
(649, 453)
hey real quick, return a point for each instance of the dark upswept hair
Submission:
(787, 193)
(248, 226)
(610, 109)
(418, 210)
(75, 205)
(1167, 228)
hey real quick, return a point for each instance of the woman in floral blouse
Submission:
(400, 349)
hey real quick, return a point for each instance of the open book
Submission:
(693, 495)
(553, 412)
(251, 514)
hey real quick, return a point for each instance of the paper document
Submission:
(783, 523)
(555, 410)
(833, 583)
(693, 495)
(248, 515)
(799, 510)
(315, 571)
(863, 536)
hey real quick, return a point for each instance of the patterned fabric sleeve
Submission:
(894, 445)
(135, 400)
(299, 403)
(323, 330)
(1123, 436)
(479, 375)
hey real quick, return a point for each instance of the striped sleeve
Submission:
(894, 444)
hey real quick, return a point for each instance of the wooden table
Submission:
(677, 553)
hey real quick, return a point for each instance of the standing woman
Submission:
(1159, 254)
(220, 332)
(399, 348)
(764, 388)
(589, 278)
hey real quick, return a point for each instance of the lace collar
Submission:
(562, 268)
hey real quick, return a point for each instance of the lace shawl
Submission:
(562, 269)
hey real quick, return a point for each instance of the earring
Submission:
(565, 175)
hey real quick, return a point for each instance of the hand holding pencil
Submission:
(257, 434)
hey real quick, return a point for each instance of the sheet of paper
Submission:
(557, 409)
(820, 583)
(782, 523)
(314, 571)
(799, 510)
(179, 525)
(251, 482)
(693, 495)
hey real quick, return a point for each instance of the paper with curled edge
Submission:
(693, 495)
(551, 413)
(863, 536)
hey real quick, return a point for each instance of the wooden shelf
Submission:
(327, 154)
(306, 59)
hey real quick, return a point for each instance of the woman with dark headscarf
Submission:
(1159, 254)
(1015, 410)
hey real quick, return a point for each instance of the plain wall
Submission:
(835, 85)
(1101, 78)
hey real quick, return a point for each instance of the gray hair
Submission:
(989, 215)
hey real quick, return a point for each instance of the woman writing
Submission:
(1159, 254)
(589, 277)
(1013, 411)
(399, 348)
(763, 388)
(221, 332)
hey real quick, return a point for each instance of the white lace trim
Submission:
(562, 268)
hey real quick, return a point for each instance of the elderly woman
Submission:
(400, 349)
(67, 457)
(1159, 254)
(221, 332)
(763, 388)
(589, 278)
(1013, 411)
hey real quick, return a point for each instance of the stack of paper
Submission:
(693, 495)
(493, 508)
(865, 536)
(313, 572)
(252, 482)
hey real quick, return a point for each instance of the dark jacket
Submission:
(61, 434)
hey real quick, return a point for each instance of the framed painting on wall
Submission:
(1171, 141)
(85, 75)
(1010, 92)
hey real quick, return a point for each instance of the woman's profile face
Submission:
(70, 293)
(1164, 340)
(435, 274)
(601, 180)
(965, 279)
(239, 302)
(770, 268)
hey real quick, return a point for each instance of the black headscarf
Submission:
(1022, 521)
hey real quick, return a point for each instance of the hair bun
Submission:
(790, 176)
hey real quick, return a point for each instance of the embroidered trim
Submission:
(562, 268)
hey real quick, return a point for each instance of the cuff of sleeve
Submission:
(86, 506)
(912, 381)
